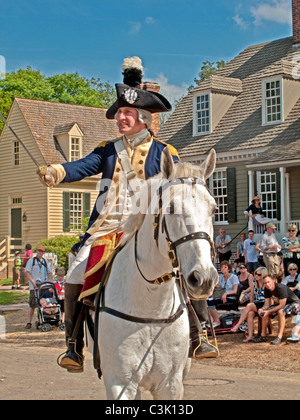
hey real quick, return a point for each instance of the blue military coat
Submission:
(103, 159)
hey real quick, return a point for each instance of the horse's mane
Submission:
(135, 221)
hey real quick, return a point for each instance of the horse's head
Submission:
(188, 222)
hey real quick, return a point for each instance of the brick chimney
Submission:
(153, 87)
(296, 21)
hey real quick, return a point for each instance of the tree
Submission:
(67, 88)
(208, 68)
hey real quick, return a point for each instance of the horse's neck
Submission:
(127, 291)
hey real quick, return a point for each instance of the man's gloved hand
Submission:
(47, 175)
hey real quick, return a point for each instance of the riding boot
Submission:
(200, 348)
(73, 358)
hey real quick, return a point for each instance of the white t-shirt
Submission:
(39, 270)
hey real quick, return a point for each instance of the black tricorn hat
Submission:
(129, 94)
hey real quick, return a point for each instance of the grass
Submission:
(9, 298)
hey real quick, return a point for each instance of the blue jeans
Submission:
(252, 266)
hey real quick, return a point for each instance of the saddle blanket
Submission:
(100, 255)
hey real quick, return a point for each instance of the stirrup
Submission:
(205, 336)
(76, 367)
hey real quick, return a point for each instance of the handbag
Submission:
(219, 292)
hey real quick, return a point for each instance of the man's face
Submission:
(251, 235)
(127, 121)
(223, 233)
(269, 283)
(270, 230)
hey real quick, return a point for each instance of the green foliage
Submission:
(208, 68)
(61, 246)
(67, 88)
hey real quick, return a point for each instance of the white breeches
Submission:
(76, 271)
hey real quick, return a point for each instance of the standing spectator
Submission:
(281, 301)
(223, 245)
(250, 252)
(291, 249)
(239, 252)
(255, 210)
(59, 281)
(293, 279)
(270, 247)
(28, 254)
(38, 270)
(75, 249)
(17, 270)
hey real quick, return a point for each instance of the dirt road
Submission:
(28, 369)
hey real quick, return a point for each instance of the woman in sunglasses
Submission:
(291, 249)
(293, 279)
(256, 302)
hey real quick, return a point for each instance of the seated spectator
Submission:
(246, 280)
(257, 301)
(295, 337)
(293, 279)
(227, 286)
(286, 303)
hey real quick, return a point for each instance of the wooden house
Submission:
(249, 112)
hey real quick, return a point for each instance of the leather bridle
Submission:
(172, 253)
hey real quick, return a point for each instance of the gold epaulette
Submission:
(173, 151)
(102, 144)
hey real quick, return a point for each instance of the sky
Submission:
(172, 37)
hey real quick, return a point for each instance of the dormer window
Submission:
(212, 99)
(272, 101)
(75, 149)
(69, 137)
(202, 114)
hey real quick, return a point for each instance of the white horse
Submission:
(150, 349)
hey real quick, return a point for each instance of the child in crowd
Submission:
(59, 281)
(17, 270)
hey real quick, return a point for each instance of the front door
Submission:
(16, 228)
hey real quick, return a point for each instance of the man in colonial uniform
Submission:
(137, 153)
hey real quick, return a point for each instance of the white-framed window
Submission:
(267, 189)
(74, 149)
(202, 114)
(218, 187)
(16, 154)
(272, 103)
(76, 210)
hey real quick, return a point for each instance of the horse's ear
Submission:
(208, 166)
(167, 164)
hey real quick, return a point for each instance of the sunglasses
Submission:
(258, 274)
(242, 267)
(290, 230)
(292, 269)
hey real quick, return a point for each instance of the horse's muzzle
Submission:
(201, 283)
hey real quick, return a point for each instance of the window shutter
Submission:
(86, 204)
(66, 211)
(231, 195)
(278, 195)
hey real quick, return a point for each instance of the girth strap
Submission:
(131, 318)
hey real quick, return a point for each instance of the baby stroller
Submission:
(49, 312)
